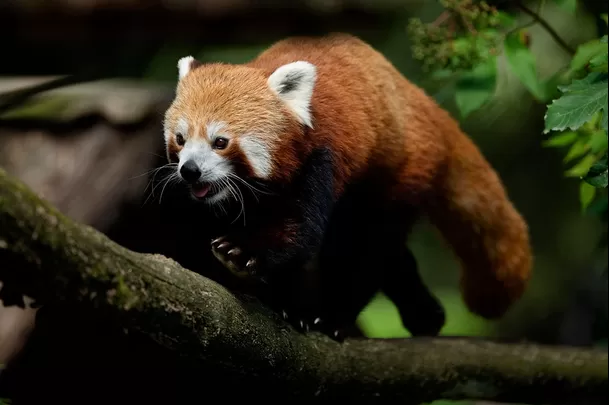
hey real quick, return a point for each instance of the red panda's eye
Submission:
(180, 140)
(220, 143)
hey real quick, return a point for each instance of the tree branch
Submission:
(198, 320)
(15, 98)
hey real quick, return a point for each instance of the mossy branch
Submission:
(15, 98)
(198, 320)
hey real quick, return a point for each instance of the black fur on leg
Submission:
(364, 252)
(313, 199)
(421, 312)
(283, 239)
(349, 267)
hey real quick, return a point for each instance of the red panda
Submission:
(333, 155)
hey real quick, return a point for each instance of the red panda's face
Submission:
(227, 123)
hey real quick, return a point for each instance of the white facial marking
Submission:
(214, 129)
(294, 84)
(181, 128)
(213, 166)
(166, 135)
(184, 66)
(258, 154)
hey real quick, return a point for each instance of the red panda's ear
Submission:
(185, 65)
(294, 83)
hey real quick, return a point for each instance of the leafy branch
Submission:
(576, 96)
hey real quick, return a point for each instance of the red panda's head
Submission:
(234, 120)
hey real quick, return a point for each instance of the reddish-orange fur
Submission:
(374, 118)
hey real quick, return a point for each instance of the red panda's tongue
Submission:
(200, 190)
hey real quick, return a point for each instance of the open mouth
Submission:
(202, 190)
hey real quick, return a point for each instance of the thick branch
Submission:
(17, 97)
(201, 321)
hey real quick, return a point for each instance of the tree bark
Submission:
(214, 332)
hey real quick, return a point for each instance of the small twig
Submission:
(546, 26)
(530, 23)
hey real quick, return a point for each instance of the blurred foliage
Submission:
(465, 41)
(464, 36)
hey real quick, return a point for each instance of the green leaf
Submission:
(567, 5)
(587, 193)
(578, 149)
(476, 87)
(604, 18)
(586, 52)
(598, 141)
(561, 139)
(522, 63)
(578, 104)
(597, 175)
(582, 167)
(599, 64)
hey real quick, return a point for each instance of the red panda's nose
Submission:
(190, 172)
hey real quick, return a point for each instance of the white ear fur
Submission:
(294, 84)
(185, 65)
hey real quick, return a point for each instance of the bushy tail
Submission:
(476, 217)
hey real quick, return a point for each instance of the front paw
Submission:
(234, 257)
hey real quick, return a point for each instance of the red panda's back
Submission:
(360, 101)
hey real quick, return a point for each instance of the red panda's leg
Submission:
(352, 259)
(365, 252)
(420, 311)
(287, 234)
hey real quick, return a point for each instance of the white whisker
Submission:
(165, 179)
(236, 193)
(170, 179)
(248, 185)
(156, 169)
(241, 197)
